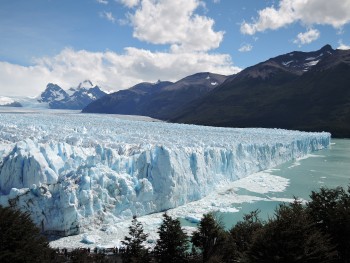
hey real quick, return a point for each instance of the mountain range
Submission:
(300, 90)
(73, 98)
(157, 100)
(307, 91)
(54, 97)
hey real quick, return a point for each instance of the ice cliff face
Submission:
(71, 170)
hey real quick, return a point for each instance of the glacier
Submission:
(73, 171)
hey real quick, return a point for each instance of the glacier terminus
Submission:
(72, 170)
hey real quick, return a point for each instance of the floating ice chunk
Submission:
(263, 182)
(228, 210)
(89, 239)
(193, 219)
(110, 230)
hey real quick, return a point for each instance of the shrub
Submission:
(290, 237)
(330, 209)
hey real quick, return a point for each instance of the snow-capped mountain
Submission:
(74, 98)
(85, 85)
(295, 63)
(303, 61)
(53, 93)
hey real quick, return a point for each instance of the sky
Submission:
(119, 43)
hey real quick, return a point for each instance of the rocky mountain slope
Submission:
(159, 100)
(300, 90)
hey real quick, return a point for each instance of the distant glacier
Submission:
(73, 171)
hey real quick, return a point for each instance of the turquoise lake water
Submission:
(328, 168)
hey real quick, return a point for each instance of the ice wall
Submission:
(72, 171)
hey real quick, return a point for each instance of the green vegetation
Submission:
(211, 239)
(315, 232)
(291, 236)
(172, 244)
(330, 210)
(134, 250)
(20, 239)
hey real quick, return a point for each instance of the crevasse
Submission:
(71, 171)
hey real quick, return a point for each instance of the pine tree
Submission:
(20, 239)
(172, 244)
(210, 238)
(135, 251)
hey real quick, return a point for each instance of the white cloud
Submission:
(108, 15)
(343, 46)
(110, 70)
(245, 48)
(216, 1)
(175, 23)
(16, 80)
(309, 12)
(129, 3)
(307, 37)
(105, 2)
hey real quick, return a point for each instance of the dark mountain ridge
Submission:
(159, 100)
(310, 93)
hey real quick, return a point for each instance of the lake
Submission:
(326, 168)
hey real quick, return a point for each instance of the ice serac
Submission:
(72, 171)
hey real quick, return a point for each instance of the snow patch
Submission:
(310, 58)
(311, 63)
(286, 64)
(193, 219)
(91, 96)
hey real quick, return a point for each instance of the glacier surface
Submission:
(72, 171)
